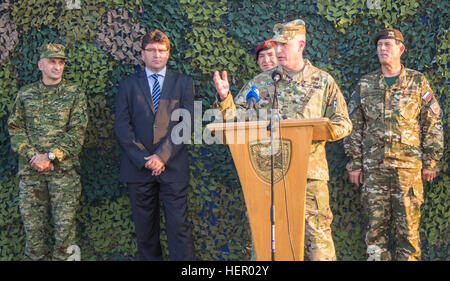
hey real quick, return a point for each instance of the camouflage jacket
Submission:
(310, 93)
(397, 126)
(47, 119)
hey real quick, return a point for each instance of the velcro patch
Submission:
(427, 97)
(435, 107)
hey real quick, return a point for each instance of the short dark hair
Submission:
(155, 36)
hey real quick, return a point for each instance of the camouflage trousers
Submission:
(40, 195)
(392, 195)
(319, 245)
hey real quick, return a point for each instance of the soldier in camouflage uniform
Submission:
(47, 127)
(397, 131)
(306, 92)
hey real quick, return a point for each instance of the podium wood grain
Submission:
(289, 194)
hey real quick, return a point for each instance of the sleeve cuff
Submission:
(226, 103)
(164, 156)
(431, 165)
(58, 154)
(30, 153)
(354, 165)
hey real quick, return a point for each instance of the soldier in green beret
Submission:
(47, 128)
(305, 92)
(397, 140)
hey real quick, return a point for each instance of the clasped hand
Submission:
(155, 164)
(41, 163)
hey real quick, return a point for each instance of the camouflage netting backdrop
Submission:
(103, 43)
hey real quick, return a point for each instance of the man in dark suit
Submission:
(153, 164)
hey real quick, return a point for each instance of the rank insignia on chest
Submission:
(427, 97)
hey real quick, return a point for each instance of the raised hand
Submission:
(221, 83)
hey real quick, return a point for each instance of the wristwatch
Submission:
(51, 156)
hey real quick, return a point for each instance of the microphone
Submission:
(252, 97)
(277, 76)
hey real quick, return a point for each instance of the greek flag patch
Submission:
(427, 96)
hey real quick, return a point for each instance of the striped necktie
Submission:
(156, 92)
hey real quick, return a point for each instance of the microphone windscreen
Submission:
(277, 75)
(253, 93)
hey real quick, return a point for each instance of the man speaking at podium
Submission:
(304, 92)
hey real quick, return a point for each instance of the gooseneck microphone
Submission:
(274, 128)
(277, 76)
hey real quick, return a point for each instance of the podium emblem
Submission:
(260, 155)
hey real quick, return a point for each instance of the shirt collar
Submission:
(162, 73)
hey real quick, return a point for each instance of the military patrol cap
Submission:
(268, 44)
(287, 31)
(51, 50)
(389, 33)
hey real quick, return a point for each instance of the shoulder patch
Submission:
(435, 108)
(427, 97)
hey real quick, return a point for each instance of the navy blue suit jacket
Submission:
(142, 133)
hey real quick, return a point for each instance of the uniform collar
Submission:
(400, 83)
(302, 73)
(42, 86)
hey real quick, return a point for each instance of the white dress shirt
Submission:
(151, 81)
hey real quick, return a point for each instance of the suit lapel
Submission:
(166, 92)
(162, 118)
(143, 84)
(168, 84)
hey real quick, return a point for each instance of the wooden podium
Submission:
(249, 143)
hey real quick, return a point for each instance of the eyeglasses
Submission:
(153, 50)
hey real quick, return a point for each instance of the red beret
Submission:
(265, 45)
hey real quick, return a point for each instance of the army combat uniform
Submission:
(397, 131)
(309, 93)
(49, 119)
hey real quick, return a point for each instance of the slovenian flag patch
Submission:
(427, 97)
